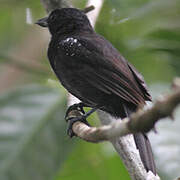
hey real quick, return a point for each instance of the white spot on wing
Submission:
(71, 40)
(71, 46)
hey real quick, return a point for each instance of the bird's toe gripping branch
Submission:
(75, 107)
(73, 114)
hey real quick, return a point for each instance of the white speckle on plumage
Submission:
(71, 40)
(67, 39)
(70, 45)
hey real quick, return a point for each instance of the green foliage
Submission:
(166, 41)
(32, 133)
(93, 161)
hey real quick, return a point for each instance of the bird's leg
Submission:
(87, 114)
(82, 117)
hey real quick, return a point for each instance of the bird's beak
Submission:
(42, 22)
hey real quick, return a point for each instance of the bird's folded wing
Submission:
(110, 75)
(140, 80)
(110, 83)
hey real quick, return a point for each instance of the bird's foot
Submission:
(71, 121)
(73, 114)
(76, 113)
(74, 107)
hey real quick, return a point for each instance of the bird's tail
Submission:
(144, 147)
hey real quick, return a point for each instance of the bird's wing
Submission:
(106, 69)
(140, 80)
(110, 83)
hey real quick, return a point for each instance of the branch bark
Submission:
(141, 121)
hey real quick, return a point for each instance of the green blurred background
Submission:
(33, 140)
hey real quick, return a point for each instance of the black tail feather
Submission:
(144, 147)
(145, 151)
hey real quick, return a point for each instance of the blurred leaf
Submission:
(166, 41)
(166, 143)
(166, 34)
(38, 71)
(33, 141)
(93, 161)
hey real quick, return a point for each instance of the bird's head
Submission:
(65, 20)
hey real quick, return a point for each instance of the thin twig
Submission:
(88, 9)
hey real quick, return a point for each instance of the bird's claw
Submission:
(71, 121)
(78, 107)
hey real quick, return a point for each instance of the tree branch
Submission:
(141, 121)
(88, 9)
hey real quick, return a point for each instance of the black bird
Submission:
(91, 69)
